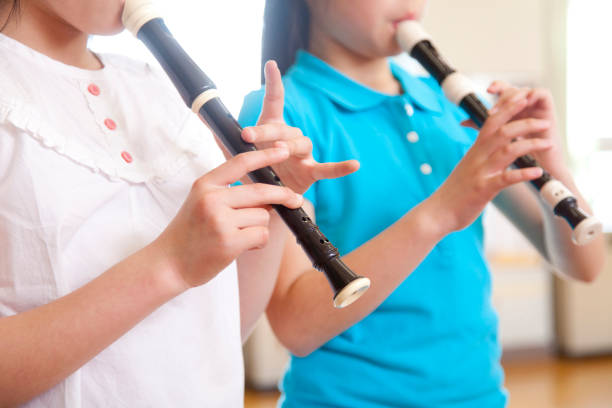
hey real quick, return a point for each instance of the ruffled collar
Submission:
(162, 140)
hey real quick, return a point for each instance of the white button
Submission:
(426, 168)
(409, 109)
(412, 137)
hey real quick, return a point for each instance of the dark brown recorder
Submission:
(200, 94)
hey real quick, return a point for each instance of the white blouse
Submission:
(93, 166)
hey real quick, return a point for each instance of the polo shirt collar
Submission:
(354, 96)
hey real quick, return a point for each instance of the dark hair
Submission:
(14, 11)
(286, 30)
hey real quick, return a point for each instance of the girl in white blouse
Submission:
(118, 234)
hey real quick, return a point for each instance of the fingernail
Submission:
(248, 134)
(270, 64)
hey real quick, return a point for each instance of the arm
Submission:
(41, 347)
(549, 234)
(300, 311)
(257, 273)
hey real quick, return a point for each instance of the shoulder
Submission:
(14, 76)
(251, 107)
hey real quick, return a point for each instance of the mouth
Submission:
(406, 17)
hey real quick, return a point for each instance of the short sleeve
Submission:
(251, 108)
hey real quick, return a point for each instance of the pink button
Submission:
(127, 157)
(110, 124)
(93, 89)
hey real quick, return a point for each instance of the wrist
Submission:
(164, 276)
(432, 220)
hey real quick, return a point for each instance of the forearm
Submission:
(579, 262)
(43, 346)
(257, 272)
(303, 316)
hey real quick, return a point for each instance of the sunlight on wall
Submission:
(223, 37)
(589, 109)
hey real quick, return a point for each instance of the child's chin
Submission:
(109, 30)
(392, 49)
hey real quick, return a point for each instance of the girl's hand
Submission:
(483, 172)
(300, 170)
(217, 223)
(540, 105)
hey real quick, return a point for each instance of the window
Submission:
(589, 107)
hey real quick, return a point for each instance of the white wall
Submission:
(498, 36)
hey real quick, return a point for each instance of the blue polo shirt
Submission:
(433, 342)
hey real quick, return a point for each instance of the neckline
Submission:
(51, 64)
(354, 95)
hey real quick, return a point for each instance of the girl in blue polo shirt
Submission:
(425, 334)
